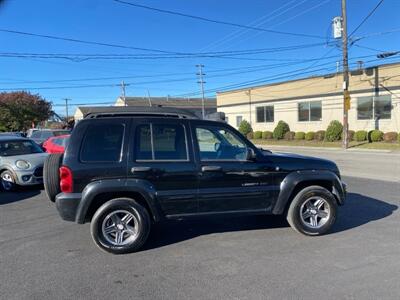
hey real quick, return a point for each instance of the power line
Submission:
(215, 21)
(366, 17)
(84, 42)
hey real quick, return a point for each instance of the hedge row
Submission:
(332, 133)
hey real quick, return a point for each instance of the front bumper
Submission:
(29, 177)
(67, 205)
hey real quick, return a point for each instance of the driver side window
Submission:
(220, 144)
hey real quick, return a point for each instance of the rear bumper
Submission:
(67, 205)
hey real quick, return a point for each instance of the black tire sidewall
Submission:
(294, 210)
(133, 207)
(51, 176)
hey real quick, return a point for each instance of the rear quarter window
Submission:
(102, 143)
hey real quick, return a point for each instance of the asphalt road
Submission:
(356, 163)
(43, 257)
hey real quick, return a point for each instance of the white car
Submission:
(21, 162)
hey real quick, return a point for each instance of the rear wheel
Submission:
(51, 176)
(312, 211)
(120, 226)
(7, 181)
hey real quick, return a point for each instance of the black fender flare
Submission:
(290, 182)
(143, 187)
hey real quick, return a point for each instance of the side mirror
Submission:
(250, 154)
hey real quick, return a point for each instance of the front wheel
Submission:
(7, 181)
(120, 226)
(312, 211)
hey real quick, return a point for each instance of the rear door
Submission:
(162, 155)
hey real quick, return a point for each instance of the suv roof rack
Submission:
(142, 111)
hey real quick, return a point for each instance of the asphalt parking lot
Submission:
(43, 257)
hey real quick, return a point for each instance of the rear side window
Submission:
(103, 143)
(161, 142)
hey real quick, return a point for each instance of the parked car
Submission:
(21, 162)
(40, 136)
(127, 168)
(13, 133)
(56, 144)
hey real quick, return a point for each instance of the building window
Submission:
(238, 120)
(227, 120)
(369, 108)
(310, 111)
(265, 114)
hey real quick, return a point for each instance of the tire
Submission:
(305, 217)
(110, 216)
(7, 181)
(51, 176)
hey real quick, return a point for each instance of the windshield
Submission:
(12, 148)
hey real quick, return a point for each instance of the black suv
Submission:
(125, 169)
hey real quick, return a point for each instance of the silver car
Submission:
(21, 162)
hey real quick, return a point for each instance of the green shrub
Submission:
(319, 135)
(280, 130)
(245, 128)
(267, 135)
(249, 136)
(390, 137)
(375, 136)
(257, 135)
(351, 135)
(334, 131)
(360, 136)
(289, 136)
(299, 135)
(398, 137)
(309, 136)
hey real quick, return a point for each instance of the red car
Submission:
(56, 144)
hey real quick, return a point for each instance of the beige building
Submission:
(310, 104)
(192, 104)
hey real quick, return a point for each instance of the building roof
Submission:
(86, 109)
(171, 102)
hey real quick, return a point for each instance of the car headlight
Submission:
(22, 164)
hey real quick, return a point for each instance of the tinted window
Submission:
(220, 144)
(238, 120)
(303, 111)
(265, 114)
(364, 108)
(260, 114)
(310, 111)
(36, 134)
(383, 107)
(161, 142)
(103, 142)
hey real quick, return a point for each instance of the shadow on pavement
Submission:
(22, 193)
(358, 210)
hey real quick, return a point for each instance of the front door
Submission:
(228, 182)
(163, 158)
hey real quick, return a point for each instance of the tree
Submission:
(19, 110)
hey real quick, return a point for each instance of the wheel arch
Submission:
(99, 192)
(296, 181)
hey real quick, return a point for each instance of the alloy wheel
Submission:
(315, 212)
(7, 182)
(120, 228)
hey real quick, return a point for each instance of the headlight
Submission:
(22, 164)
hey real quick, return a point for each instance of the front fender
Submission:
(313, 177)
(117, 185)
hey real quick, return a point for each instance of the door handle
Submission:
(140, 169)
(211, 168)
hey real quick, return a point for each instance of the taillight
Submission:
(65, 179)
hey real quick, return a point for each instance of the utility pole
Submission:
(66, 108)
(201, 82)
(346, 94)
(123, 85)
(149, 98)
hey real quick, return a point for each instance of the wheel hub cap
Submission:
(315, 212)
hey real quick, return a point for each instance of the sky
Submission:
(158, 52)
